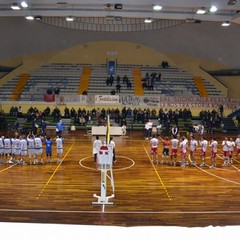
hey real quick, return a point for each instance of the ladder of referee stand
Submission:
(105, 161)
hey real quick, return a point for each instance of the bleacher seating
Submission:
(64, 76)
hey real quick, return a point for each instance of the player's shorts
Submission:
(59, 150)
(225, 153)
(174, 152)
(7, 151)
(238, 150)
(192, 152)
(230, 153)
(49, 152)
(38, 151)
(165, 152)
(31, 152)
(202, 153)
(23, 153)
(1, 151)
(213, 154)
(154, 150)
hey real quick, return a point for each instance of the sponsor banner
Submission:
(107, 99)
(49, 97)
(199, 102)
(64, 99)
(137, 101)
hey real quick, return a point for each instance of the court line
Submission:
(39, 195)
(114, 170)
(214, 175)
(120, 212)
(9, 167)
(165, 189)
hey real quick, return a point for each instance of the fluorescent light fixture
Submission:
(148, 20)
(69, 19)
(213, 9)
(201, 11)
(24, 4)
(157, 7)
(226, 24)
(29, 18)
(15, 6)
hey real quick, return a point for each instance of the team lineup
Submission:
(184, 145)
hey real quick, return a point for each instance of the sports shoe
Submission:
(212, 166)
(202, 165)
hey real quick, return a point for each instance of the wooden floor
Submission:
(145, 194)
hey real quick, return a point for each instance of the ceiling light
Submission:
(15, 6)
(226, 24)
(69, 19)
(38, 18)
(148, 20)
(201, 11)
(157, 7)
(232, 2)
(213, 9)
(24, 4)
(29, 17)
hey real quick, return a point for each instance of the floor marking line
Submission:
(39, 195)
(165, 189)
(120, 212)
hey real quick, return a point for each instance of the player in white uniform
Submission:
(225, 148)
(23, 152)
(213, 146)
(174, 143)
(59, 148)
(231, 146)
(193, 148)
(7, 149)
(1, 150)
(183, 149)
(237, 143)
(38, 150)
(113, 145)
(31, 148)
(203, 144)
(16, 149)
(154, 149)
(96, 146)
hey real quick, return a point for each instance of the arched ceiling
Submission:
(184, 10)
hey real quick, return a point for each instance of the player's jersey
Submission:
(1, 143)
(225, 146)
(213, 146)
(231, 146)
(166, 144)
(16, 144)
(183, 146)
(38, 143)
(174, 143)
(23, 144)
(48, 144)
(154, 142)
(193, 144)
(59, 143)
(204, 145)
(31, 143)
(237, 143)
(7, 143)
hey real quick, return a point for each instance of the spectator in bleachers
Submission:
(49, 91)
(47, 111)
(164, 64)
(73, 112)
(118, 79)
(129, 85)
(56, 113)
(108, 81)
(66, 112)
(111, 80)
(57, 91)
(84, 93)
(113, 92)
(118, 88)
(125, 79)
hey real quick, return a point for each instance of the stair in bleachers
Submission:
(200, 86)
